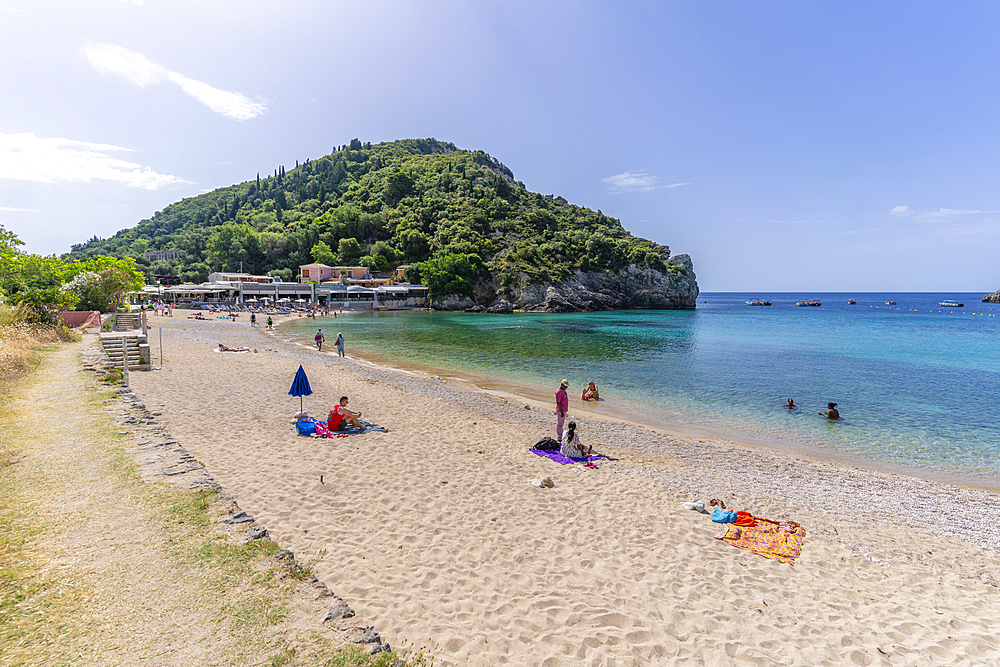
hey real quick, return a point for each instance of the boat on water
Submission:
(851, 302)
(890, 303)
(809, 302)
(948, 303)
(759, 302)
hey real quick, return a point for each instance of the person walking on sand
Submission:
(340, 344)
(562, 407)
(253, 319)
(269, 322)
(319, 339)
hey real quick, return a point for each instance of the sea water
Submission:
(916, 384)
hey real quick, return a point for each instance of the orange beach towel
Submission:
(781, 541)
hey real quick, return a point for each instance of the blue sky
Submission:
(786, 146)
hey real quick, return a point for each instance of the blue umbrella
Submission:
(300, 386)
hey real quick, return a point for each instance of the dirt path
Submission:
(119, 600)
(111, 570)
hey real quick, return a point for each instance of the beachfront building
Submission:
(340, 275)
(223, 277)
(315, 273)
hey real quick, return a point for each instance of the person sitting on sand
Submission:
(340, 416)
(590, 392)
(831, 412)
(790, 405)
(571, 446)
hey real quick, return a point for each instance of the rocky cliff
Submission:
(992, 298)
(633, 288)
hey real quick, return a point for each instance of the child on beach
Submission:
(571, 446)
(590, 392)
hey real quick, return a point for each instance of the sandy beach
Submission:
(433, 532)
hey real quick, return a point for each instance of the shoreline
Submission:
(431, 529)
(633, 414)
(678, 448)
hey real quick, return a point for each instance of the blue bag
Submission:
(306, 426)
(722, 516)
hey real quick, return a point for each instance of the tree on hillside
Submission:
(349, 251)
(322, 253)
(451, 274)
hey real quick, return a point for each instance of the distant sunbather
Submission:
(223, 348)
(341, 416)
(571, 446)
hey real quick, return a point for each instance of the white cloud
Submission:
(11, 209)
(636, 182)
(138, 70)
(13, 9)
(26, 157)
(942, 215)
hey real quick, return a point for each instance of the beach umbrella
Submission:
(300, 386)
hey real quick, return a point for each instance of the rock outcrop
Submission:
(633, 288)
(992, 298)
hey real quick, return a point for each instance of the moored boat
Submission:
(948, 303)
(759, 302)
(890, 303)
(851, 302)
(809, 302)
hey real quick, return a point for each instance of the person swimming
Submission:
(831, 412)
(791, 404)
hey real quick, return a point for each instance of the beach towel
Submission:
(771, 539)
(345, 431)
(559, 458)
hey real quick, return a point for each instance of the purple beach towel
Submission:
(559, 458)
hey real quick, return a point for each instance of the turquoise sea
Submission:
(917, 384)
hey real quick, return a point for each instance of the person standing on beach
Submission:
(253, 319)
(319, 339)
(562, 407)
(340, 344)
(269, 322)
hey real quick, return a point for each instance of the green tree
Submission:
(450, 274)
(321, 253)
(349, 251)
(102, 282)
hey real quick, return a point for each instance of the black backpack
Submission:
(547, 443)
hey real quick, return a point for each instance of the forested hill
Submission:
(415, 201)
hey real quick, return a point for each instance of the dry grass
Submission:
(20, 343)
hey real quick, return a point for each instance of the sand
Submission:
(433, 532)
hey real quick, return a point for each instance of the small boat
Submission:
(948, 303)
(809, 302)
(890, 303)
(759, 302)
(851, 302)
